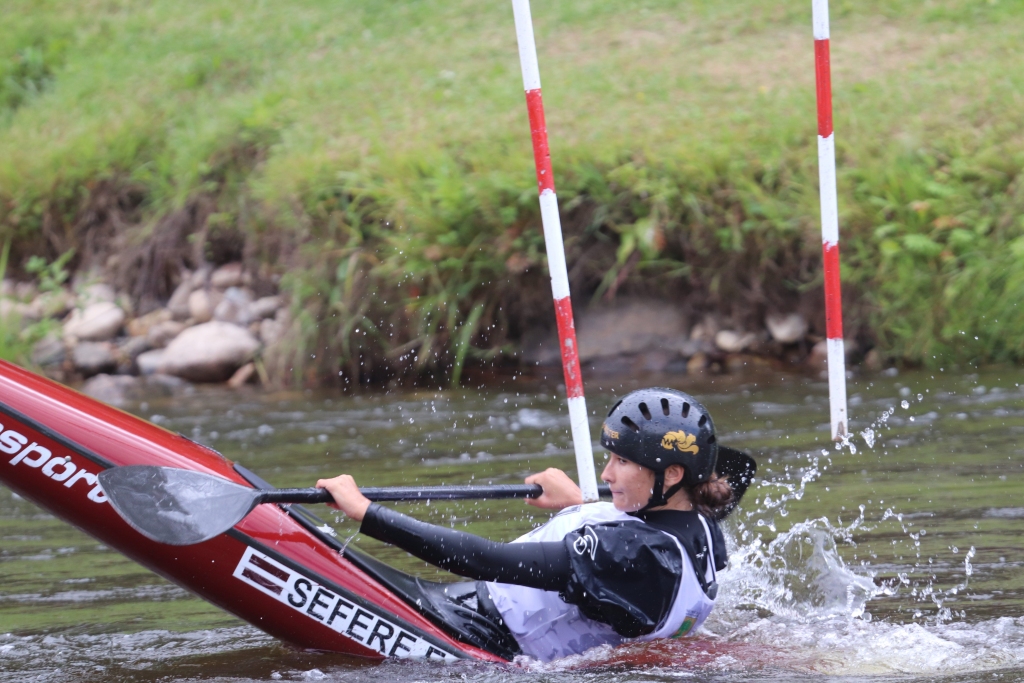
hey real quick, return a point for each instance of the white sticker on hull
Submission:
(304, 595)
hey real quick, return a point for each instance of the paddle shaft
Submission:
(399, 493)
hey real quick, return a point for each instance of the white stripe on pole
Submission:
(827, 183)
(837, 386)
(819, 14)
(553, 243)
(527, 46)
(580, 426)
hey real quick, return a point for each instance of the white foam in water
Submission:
(794, 604)
(854, 646)
(816, 619)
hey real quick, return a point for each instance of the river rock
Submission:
(818, 358)
(168, 385)
(115, 390)
(229, 275)
(706, 330)
(129, 348)
(49, 351)
(733, 342)
(210, 352)
(265, 307)
(201, 304)
(234, 307)
(55, 304)
(161, 334)
(119, 390)
(698, 363)
(631, 327)
(148, 362)
(786, 329)
(97, 322)
(127, 351)
(92, 358)
(140, 327)
(178, 303)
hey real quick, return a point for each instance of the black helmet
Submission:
(659, 427)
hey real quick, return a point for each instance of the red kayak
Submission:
(275, 569)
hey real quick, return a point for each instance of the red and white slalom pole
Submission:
(829, 223)
(556, 252)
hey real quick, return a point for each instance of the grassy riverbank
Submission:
(376, 155)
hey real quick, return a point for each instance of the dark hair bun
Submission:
(713, 496)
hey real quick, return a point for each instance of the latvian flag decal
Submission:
(368, 628)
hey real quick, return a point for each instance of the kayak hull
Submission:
(271, 570)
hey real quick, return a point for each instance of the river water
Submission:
(897, 558)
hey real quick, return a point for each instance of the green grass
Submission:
(377, 154)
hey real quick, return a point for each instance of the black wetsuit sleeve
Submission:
(535, 565)
(623, 574)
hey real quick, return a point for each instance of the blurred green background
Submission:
(376, 157)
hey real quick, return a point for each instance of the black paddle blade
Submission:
(175, 506)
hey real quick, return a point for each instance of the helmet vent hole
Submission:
(686, 409)
(664, 407)
(646, 413)
(711, 439)
(702, 421)
(632, 425)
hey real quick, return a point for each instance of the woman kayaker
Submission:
(641, 567)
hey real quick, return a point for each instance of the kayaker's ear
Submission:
(673, 475)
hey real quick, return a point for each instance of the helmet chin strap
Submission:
(659, 496)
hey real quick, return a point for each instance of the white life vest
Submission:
(548, 628)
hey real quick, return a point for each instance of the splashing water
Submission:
(796, 595)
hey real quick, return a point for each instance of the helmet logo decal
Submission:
(612, 434)
(680, 441)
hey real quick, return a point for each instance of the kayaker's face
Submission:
(631, 484)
